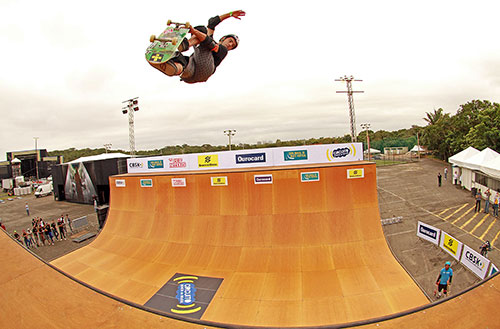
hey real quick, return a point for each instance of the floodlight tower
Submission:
(229, 133)
(131, 106)
(349, 80)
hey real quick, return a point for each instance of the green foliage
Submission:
(476, 124)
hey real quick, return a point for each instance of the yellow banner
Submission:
(355, 173)
(219, 181)
(450, 244)
(211, 160)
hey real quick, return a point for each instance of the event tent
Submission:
(460, 158)
(492, 167)
(476, 161)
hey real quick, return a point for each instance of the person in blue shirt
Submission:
(444, 280)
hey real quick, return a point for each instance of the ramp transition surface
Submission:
(289, 253)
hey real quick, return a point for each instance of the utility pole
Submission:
(131, 107)
(418, 146)
(36, 156)
(349, 80)
(229, 133)
(366, 126)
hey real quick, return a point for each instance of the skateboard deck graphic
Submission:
(163, 47)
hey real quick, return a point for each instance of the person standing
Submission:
(455, 177)
(487, 201)
(443, 281)
(495, 205)
(445, 173)
(68, 220)
(478, 201)
(27, 208)
(439, 179)
(3, 226)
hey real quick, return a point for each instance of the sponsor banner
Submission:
(250, 158)
(475, 262)
(278, 156)
(493, 269)
(219, 181)
(451, 245)
(146, 183)
(177, 163)
(296, 155)
(208, 161)
(355, 173)
(179, 182)
(120, 183)
(312, 176)
(263, 179)
(155, 164)
(428, 232)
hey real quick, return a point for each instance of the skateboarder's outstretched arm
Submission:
(214, 21)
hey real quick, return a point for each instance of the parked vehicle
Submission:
(43, 190)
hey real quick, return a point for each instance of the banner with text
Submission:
(428, 232)
(266, 157)
(451, 245)
(475, 262)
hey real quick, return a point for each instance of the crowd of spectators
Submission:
(43, 232)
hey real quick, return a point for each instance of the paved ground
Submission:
(13, 216)
(411, 190)
(407, 190)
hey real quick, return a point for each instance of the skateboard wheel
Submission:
(174, 41)
(152, 38)
(169, 22)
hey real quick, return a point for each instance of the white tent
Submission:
(492, 167)
(103, 156)
(372, 151)
(475, 162)
(459, 158)
(417, 148)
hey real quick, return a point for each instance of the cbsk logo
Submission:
(250, 158)
(474, 260)
(135, 165)
(155, 164)
(341, 152)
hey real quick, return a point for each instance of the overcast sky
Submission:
(66, 66)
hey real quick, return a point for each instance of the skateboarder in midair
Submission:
(207, 55)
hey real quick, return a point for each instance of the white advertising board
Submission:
(279, 156)
(451, 245)
(428, 232)
(475, 262)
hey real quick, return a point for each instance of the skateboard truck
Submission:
(153, 38)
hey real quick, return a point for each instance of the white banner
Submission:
(451, 245)
(475, 262)
(279, 156)
(428, 232)
(493, 269)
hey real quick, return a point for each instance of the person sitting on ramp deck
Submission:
(207, 55)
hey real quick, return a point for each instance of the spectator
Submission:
(439, 179)
(455, 177)
(478, 201)
(444, 280)
(487, 201)
(27, 208)
(2, 226)
(26, 240)
(30, 237)
(54, 230)
(41, 235)
(17, 236)
(495, 206)
(48, 234)
(68, 220)
(445, 173)
(60, 226)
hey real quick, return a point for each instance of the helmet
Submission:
(234, 36)
(447, 263)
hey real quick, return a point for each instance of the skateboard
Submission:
(163, 47)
